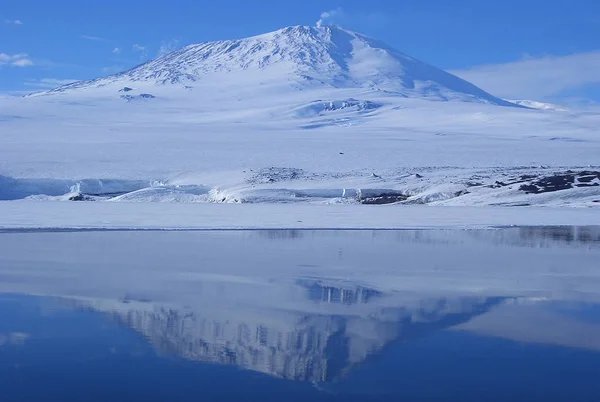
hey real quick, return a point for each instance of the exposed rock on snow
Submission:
(562, 181)
(442, 186)
(319, 107)
(130, 98)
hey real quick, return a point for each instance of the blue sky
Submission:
(546, 50)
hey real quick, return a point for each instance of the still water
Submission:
(434, 315)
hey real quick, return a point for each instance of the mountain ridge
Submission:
(296, 58)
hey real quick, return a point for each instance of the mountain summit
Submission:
(297, 58)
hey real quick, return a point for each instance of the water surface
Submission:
(460, 315)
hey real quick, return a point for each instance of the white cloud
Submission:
(16, 60)
(7, 58)
(330, 17)
(116, 50)
(48, 83)
(168, 46)
(93, 38)
(537, 78)
(14, 22)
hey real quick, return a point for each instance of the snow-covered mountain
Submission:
(295, 58)
(300, 115)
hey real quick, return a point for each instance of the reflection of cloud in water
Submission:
(351, 326)
(540, 322)
(14, 338)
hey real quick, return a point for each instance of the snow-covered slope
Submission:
(297, 57)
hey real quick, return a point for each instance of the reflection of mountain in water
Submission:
(324, 293)
(335, 330)
(281, 234)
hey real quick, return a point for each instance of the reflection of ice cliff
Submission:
(522, 236)
(338, 328)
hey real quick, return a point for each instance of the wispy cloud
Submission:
(116, 50)
(354, 19)
(168, 46)
(48, 83)
(330, 17)
(14, 338)
(22, 63)
(13, 22)
(16, 60)
(537, 78)
(141, 50)
(93, 38)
